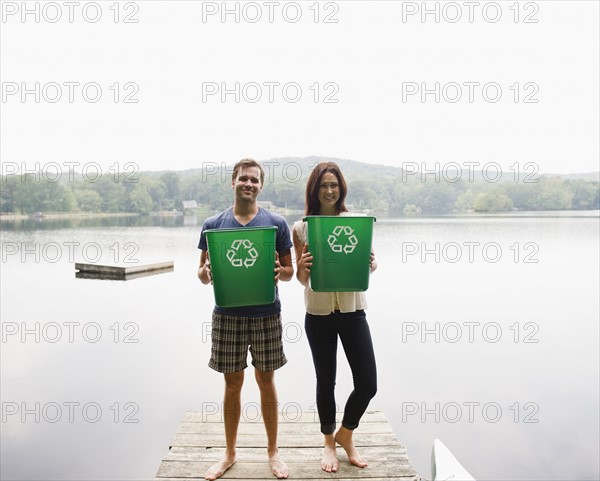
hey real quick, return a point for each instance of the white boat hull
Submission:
(444, 466)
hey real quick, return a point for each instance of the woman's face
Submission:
(329, 190)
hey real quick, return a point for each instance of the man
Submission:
(235, 329)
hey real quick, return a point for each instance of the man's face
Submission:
(247, 185)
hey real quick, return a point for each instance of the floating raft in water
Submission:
(200, 442)
(96, 271)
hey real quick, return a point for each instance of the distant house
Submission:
(190, 204)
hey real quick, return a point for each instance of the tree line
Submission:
(379, 188)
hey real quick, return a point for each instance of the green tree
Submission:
(114, 196)
(88, 200)
(361, 193)
(67, 201)
(435, 198)
(172, 198)
(140, 200)
(191, 188)
(8, 194)
(585, 194)
(285, 194)
(465, 201)
(554, 196)
(494, 201)
(155, 187)
(30, 194)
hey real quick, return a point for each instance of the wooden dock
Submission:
(200, 442)
(118, 273)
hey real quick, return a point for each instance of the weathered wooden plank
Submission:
(272, 478)
(200, 450)
(199, 442)
(303, 440)
(284, 428)
(311, 454)
(149, 267)
(102, 269)
(215, 415)
(99, 269)
(192, 469)
(153, 272)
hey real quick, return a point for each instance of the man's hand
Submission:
(204, 271)
(278, 267)
(284, 270)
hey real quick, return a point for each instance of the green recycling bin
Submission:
(341, 247)
(242, 262)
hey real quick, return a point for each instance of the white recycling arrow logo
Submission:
(234, 253)
(342, 231)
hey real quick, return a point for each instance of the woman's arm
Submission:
(303, 259)
(373, 262)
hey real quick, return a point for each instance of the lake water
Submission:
(485, 331)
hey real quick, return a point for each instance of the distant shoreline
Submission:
(67, 215)
(291, 212)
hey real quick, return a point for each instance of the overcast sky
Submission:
(514, 83)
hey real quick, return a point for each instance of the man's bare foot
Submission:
(329, 462)
(218, 469)
(344, 438)
(278, 466)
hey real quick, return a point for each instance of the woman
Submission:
(333, 314)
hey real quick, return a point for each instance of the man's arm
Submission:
(284, 270)
(204, 272)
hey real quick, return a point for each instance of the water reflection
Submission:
(51, 223)
(164, 372)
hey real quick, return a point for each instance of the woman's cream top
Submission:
(324, 303)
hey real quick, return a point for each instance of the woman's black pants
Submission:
(353, 330)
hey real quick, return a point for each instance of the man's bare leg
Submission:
(344, 438)
(329, 462)
(232, 411)
(269, 407)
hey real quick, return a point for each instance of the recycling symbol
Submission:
(342, 231)
(235, 253)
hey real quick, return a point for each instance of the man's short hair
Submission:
(248, 163)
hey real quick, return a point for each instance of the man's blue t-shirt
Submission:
(283, 243)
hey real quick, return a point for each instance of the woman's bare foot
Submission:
(278, 466)
(218, 469)
(329, 462)
(344, 438)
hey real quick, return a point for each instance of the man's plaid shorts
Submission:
(233, 335)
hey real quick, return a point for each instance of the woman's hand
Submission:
(305, 261)
(372, 262)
